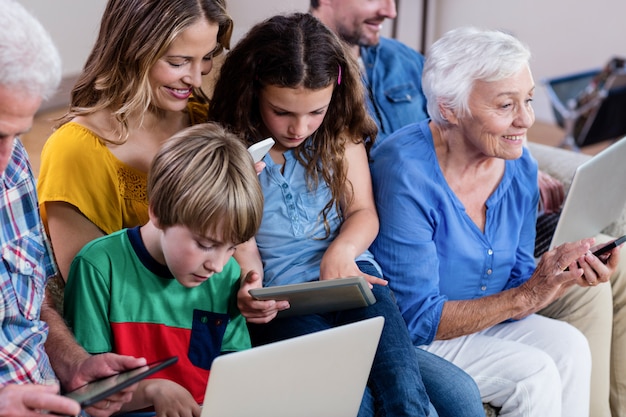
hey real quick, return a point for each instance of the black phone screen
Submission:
(610, 246)
(100, 389)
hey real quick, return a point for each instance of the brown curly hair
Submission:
(293, 51)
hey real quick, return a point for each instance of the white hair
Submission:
(29, 61)
(460, 58)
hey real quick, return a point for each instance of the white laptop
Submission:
(322, 374)
(596, 197)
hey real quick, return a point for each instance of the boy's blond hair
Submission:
(204, 178)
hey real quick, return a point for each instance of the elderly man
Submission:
(30, 71)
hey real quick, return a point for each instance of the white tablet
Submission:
(259, 149)
(318, 297)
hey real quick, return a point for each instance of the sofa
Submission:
(561, 163)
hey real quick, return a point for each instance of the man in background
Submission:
(30, 71)
(392, 75)
(392, 71)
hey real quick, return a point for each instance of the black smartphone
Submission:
(604, 249)
(98, 390)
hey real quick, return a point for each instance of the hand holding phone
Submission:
(611, 245)
(99, 390)
(259, 149)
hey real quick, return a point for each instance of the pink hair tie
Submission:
(339, 75)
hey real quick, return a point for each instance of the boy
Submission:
(169, 287)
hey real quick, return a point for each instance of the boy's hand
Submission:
(257, 311)
(171, 399)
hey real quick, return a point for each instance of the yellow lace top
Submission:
(78, 168)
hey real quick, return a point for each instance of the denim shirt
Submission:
(394, 85)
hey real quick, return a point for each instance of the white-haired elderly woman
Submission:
(457, 199)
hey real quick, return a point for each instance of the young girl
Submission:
(140, 85)
(292, 79)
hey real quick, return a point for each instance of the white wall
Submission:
(246, 13)
(73, 26)
(564, 36)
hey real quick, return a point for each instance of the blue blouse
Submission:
(429, 248)
(290, 238)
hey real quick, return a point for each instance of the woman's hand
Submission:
(556, 272)
(598, 270)
(257, 311)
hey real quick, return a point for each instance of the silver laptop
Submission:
(596, 197)
(319, 374)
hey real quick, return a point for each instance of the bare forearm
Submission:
(65, 353)
(358, 231)
(460, 318)
(248, 257)
(548, 282)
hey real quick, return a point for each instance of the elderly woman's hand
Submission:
(556, 272)
(598, 270)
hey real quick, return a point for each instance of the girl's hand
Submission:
(259, 167)
(171, 399)
(257, 311)
(338, 263)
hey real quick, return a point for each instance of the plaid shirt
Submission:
(27, 263)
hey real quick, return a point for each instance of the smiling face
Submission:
(291, 115)
(181, 68)
(358, 22)
(501, 113)
(191, 257)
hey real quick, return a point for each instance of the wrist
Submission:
(523, 299)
